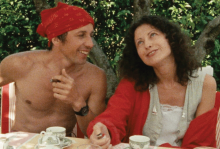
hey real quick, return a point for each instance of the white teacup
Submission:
(58, 131)
(139, 142)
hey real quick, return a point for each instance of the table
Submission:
(33, 141)
(29, 144)
(24, 140)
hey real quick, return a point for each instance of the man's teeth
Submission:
(84, 52)
(151, 53)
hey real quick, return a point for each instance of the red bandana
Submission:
(61, 19)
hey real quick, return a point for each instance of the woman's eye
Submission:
(139, 42)
(153, 34)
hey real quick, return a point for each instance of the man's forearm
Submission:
(83, 121)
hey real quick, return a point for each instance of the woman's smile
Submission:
(152, 53)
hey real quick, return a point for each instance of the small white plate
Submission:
(10, 147)
(53, 147)
(66, 142)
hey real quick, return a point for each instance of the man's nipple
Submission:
(28, 101)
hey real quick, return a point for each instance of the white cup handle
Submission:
(42, 133)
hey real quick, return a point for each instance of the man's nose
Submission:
(89, 42)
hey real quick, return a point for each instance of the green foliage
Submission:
(18, 22)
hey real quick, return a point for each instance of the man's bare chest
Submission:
(36, 91)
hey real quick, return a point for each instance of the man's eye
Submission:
(81, 35)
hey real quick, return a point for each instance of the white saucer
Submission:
(54, 147)
(66, 142)
(10, 147)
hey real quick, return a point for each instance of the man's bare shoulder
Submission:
(22, 59)
(98, 82)
(21, 62)
(97, 77)
(95, 70)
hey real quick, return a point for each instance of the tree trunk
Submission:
(41, 5)
(99, 58)
(56, 1)
(206, 41)
(141, 7)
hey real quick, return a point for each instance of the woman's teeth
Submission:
(151, 53)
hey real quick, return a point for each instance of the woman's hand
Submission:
(103, 141)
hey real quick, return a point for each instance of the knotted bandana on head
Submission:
(61, 19)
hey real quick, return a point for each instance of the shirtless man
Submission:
(41, 101)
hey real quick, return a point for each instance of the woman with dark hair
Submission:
(161, 94)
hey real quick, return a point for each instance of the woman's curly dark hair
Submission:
(132, 67)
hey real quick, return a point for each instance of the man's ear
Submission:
(55, 41)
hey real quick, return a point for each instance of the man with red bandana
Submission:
(57, 87)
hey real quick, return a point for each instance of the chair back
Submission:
(218, 131)
(8, 100)
(217, 106)
(217, 100)
(208, 70)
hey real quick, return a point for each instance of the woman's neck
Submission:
(166, 73)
